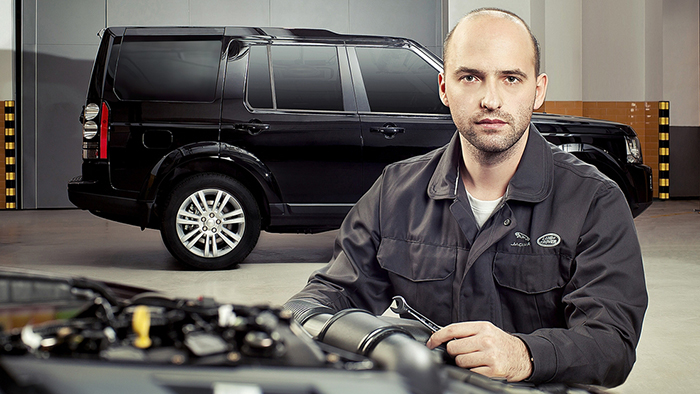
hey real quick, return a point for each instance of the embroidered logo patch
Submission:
(523, 240)
(549, 240)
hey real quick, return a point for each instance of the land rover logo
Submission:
(549, 240)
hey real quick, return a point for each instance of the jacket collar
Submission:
(532, 181)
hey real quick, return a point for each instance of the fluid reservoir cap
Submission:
(141, 323)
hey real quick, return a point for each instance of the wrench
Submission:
(403, 307)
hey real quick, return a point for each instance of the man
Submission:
(529, 254)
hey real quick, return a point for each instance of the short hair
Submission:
(535, 44)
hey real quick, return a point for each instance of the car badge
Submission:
(549, 240)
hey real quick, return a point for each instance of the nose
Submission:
(491, 96)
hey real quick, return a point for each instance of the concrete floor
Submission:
(74, 242)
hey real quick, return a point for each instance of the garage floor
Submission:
(74, 242)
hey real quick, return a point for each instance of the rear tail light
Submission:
(95, 149)
(89, 130)
(90, 150)
(104, 125)
(91, 111)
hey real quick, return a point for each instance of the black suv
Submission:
(214, 134)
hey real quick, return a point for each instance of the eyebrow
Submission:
(516, 72)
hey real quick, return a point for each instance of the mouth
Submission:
(491, 122)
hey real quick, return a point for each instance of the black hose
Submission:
(389, 346)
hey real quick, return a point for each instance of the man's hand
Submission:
(486, 349)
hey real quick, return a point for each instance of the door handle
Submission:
(253, 128)
(389, 130)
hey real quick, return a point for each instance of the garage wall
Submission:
(681, 80)
(681, 60)
(613, 50)
(563, 59)
(7, 45)
(60, 42)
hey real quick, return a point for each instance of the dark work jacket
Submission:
(558, 263)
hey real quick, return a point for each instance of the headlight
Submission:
(634, 150)
(89, 129)
(91, 111)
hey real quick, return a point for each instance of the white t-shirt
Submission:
(482, 209)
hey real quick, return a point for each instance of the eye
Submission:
(468, 78)
(512, 79)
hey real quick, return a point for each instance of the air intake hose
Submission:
(391, 347)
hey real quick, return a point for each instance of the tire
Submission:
(210, 221)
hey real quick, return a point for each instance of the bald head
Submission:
(493, 13)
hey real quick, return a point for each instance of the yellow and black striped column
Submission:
(10, 157)
(664, 163)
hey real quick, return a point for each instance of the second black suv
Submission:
(214, 134)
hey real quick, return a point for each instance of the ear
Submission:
(441, 87)
(540, 90)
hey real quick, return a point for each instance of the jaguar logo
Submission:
(522, 236)
(549, 240)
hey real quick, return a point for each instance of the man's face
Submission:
(489, 82)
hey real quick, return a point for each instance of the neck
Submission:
(486, 175)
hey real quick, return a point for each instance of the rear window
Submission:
(98, 69)
(184, 69)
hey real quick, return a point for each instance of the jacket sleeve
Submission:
(604, 302)
(353, 277)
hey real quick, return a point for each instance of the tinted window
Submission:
(259, 89)
(307, 77)
(398, 80)
(99, 67)
(173, 70)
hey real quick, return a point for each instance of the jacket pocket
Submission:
(530, 274)
(422, 274)
(415, 261)
(530, 289)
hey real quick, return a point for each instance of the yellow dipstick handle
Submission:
(141, 323)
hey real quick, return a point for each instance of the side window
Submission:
(176, 69)
(259, 88)
(305, 78)
(398, 80)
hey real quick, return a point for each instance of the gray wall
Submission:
(7, 45)
(613, 50)
(681, 54)
(563, 58)
(684, 177)
(60, 42)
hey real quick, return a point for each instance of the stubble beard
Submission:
(493, 147)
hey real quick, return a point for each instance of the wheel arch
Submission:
(202, 158)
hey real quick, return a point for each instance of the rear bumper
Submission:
(105, 202)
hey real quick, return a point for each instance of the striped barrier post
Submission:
(10, 157)
(664, 163)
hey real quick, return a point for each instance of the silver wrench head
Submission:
(400, 305)
(403, 307)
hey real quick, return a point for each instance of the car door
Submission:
(296, 114)
(399, 106)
